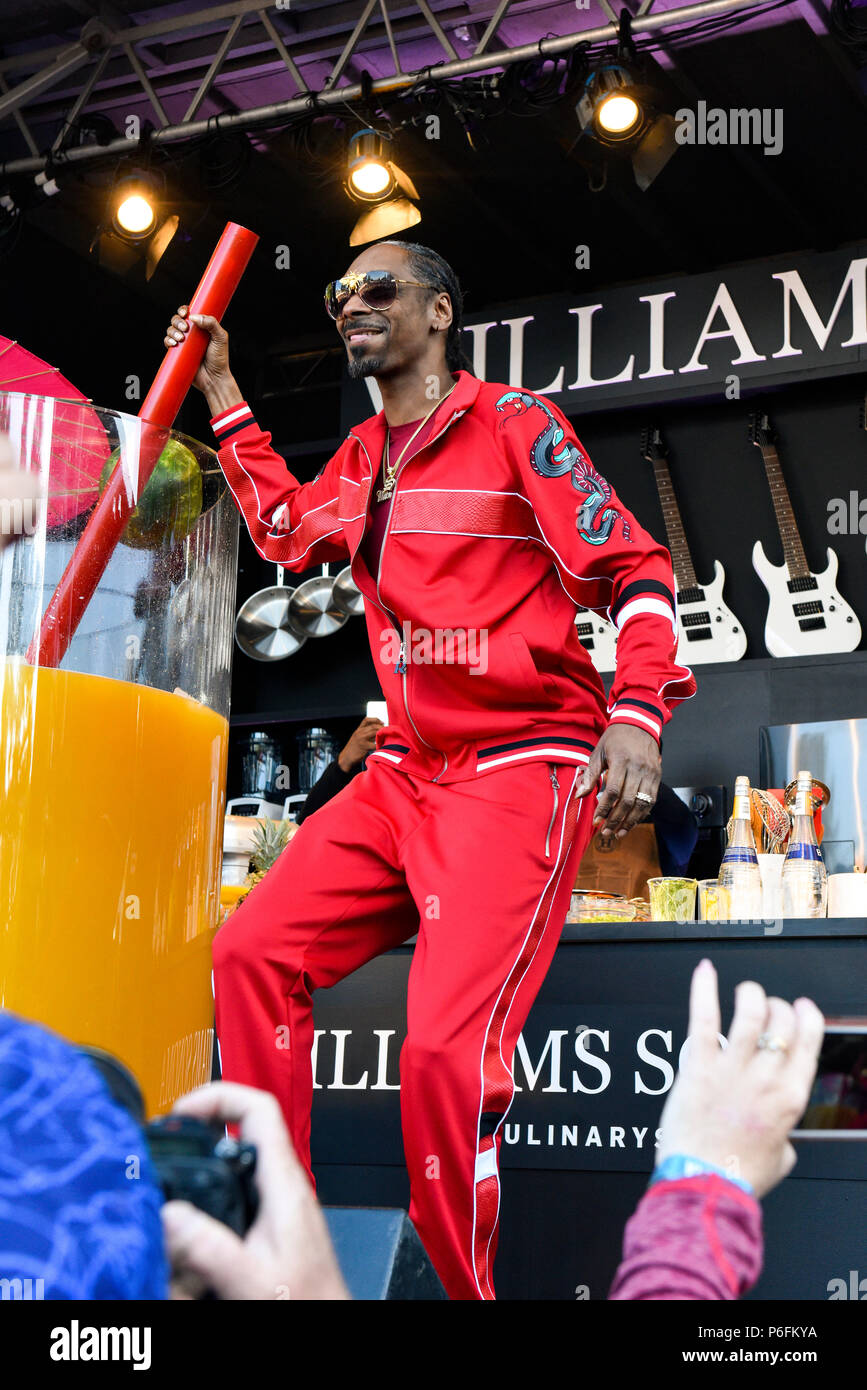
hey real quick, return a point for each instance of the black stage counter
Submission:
(592, 1068)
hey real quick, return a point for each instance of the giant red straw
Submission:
(160, 406)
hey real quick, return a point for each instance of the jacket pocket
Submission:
(531, 681)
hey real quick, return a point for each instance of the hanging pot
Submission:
(264, 629)
(312, 607)
(347, 595)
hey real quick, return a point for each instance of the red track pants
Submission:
(482, 870)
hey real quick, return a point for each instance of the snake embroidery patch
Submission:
(596, 518)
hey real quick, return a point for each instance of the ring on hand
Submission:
(643, 796)
(772, 1042)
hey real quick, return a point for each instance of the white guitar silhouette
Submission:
(709, 630)
(806, 615)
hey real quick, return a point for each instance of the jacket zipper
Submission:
(556, 786)
(401, 667)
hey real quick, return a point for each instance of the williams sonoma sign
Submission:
(588, 1095)
(595, 1062)
(748, 326)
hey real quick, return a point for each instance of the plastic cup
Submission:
(672, 899)
(710, 900)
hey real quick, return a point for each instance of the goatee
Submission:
(364, 366)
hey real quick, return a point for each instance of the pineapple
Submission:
(270, 838)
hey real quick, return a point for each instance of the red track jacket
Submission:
(499, 527)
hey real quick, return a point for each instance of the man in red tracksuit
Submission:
(475, 524)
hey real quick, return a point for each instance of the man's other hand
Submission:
(630, 761)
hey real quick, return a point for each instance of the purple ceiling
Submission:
(253, 73)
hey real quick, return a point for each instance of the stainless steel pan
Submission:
(313, 609)
(347, 595)
(264, 628)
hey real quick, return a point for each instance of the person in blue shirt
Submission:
(80, 1206)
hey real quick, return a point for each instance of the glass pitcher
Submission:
(113, 764)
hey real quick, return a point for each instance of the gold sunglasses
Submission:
(377, 289)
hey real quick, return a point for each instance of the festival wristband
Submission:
(684, 1166)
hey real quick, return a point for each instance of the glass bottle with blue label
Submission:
(805, 879)
(740, 884)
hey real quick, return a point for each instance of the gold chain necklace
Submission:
(389, 469)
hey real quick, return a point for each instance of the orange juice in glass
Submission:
(112, 775)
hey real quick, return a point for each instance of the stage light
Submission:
(369, 176)
(135, 215)
(617, 115)
(619, 111)
(137, 226)
(610, 107)
(133, 206)
(373, 179)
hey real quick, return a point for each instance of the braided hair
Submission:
(431, 269)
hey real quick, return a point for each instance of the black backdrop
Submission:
(724, 501)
